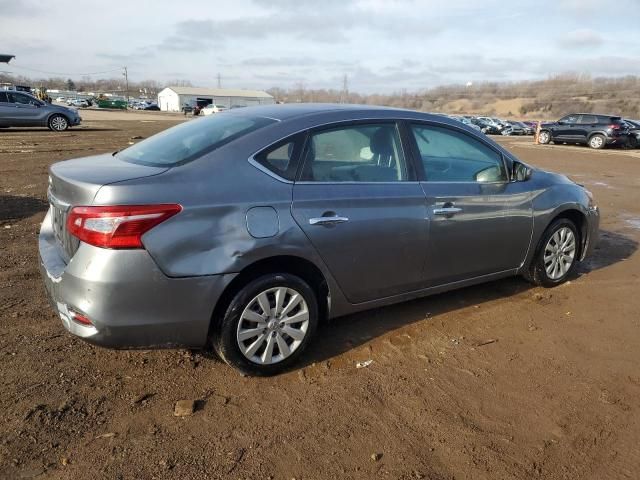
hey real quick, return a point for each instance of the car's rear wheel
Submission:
(544, 137)
(268, 324)
(597, 141)
(557, 255)
(58, 123)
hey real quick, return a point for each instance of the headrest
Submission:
(382, 142)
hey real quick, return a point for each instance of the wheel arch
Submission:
(579, 219)
(301, 267)
(597, 132)
(52, 114)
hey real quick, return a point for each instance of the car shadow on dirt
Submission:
(612, 247)
(14, 207)
(347, 333)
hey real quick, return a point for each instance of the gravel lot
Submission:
(491, 382)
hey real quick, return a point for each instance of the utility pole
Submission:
(126, 81)
(344, 94)
(219, 80)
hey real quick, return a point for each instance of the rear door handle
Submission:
(327, 220)
(446, 211)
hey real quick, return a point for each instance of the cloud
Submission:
(581, 38)
(21, 8)
(582, 7)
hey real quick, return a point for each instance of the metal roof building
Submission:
(173, 99)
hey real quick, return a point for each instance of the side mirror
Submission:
(521, 172)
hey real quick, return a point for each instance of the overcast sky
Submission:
(382, 45)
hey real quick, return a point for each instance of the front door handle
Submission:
(327, 220)
(446, 211)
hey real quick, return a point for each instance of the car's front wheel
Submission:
(58, 123)
(544, 137)
(597, 141)
(557, 255)
(268, 324)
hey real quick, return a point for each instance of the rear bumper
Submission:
(130, 302)
(617, 139)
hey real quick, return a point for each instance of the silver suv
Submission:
(19, 109)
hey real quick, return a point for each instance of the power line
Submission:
(65, 73)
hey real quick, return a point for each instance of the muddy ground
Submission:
(490, 382)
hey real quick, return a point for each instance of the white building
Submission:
(173, 99)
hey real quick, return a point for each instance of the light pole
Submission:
(126, 81)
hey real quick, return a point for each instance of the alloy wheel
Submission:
(273, 325)
(59, 123)
(596, 141)
(559, 253)
(544, 137)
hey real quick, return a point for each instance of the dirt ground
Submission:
(497, 381)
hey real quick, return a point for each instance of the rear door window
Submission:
(355, 153)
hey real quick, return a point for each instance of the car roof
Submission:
(290, 111)
(595, 114)
(321, 112)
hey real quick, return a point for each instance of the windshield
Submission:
(191, 140)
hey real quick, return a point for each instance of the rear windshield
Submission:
(191, 140)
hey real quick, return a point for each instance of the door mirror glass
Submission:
(521, 172)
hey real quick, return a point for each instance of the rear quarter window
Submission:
(191, 140)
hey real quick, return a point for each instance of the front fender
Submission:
(555, 201)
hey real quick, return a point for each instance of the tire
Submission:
(597, 141)
(251, 355)
(632, 142)
(58, 123)
(547, 268)
(545, 137)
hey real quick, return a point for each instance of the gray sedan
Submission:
(19, 109)
(243, 230)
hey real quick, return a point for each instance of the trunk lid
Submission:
(76, 182)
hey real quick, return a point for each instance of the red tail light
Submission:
(615, 126)
(118, 226)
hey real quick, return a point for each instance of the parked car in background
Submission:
(516, 128)
(487, 127)
(18, 109)
(233, 230)
(211, 109)
(61, 99)
(634, 133)
(532, 124)
(153, 107)
(496, 124)
(594, 130)
(79, 102)
(466, 121)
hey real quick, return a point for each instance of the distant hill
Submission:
(544, 99)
